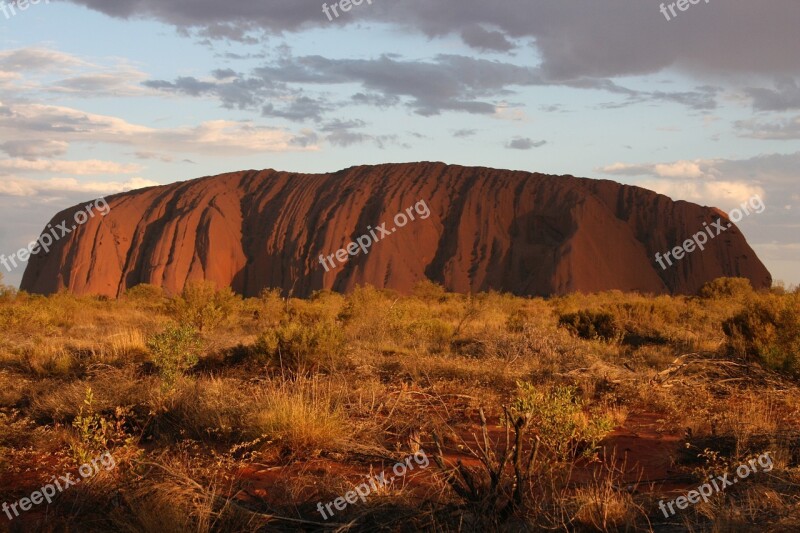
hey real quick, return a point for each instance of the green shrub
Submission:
(203, 306)
(768, 329)
(557, 417)
(174, 351)
(592, 325)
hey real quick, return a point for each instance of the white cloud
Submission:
(684, 169)
(79, 168)
(37, 69)
(57, 186)
(723, 194)
(215, 137)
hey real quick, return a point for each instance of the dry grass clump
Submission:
(306, 414)
(112, 387)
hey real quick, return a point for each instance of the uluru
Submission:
(486, 229)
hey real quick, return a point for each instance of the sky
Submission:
(101, 96)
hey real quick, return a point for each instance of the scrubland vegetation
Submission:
(576, 413)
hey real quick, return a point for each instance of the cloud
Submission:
(779, 130)
(58, 186)
(42, 69)
(34, 149)
(215, 137)
(446, 83)
(486, 40)
(340, 133)
(38, 59)
(524, 143)
(721, 182)
(677, 169)
(78, 168)
(723, 194)
(575, 39)
(786, 95)
(299, 110)
(463, 133)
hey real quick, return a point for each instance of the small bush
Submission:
(726, 288)
(297, 346)
(769, 329)
(174, 351)
(592, 325)
(430, 292)
(203, 306)
(557, 416)
(146, 295)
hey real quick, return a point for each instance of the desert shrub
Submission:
(93, 432)
(269, 309)
(769, 329)
(429, 292)
(27, 314)
(174, 350)
(558, 418)
(592, 325)
(203, 306)
(323, 306)
(434, 333)
(146, 295)
(517, 320)
(297, 346)
(367, 315)
(726, 288)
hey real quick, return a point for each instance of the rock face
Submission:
(528, 234)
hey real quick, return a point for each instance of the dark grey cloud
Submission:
(338, 125)
(153, 156)
(482, 39)
(786, 95)
(376, 100)
(579, 38)
(299, 110)
(429, 87)
(702, 98)
(224, 74)
(463, 133)
(234, 93)
(341, 133)
(186, 84)
(524, 143)
(786, 129)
